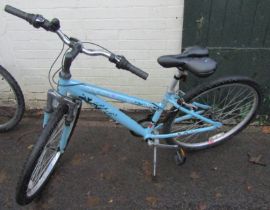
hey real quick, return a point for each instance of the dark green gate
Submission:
(237, 32)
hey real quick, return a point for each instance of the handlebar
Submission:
(77, 47)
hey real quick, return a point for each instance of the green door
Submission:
(237, 32)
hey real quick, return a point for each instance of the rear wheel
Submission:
(44, 156)
(11, 101)
(233, 101)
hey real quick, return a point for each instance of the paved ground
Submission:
(107, 168)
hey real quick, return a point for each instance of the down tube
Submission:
(110, 110)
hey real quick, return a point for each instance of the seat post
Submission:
(176, 78)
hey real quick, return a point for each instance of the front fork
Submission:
(54, 99)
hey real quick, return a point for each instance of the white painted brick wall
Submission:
(141, 30)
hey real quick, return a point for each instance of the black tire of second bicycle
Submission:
(18, 114)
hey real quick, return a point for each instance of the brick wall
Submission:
(141, 30)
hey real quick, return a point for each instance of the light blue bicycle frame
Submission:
(90, 94)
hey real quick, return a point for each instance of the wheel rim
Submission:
(47, 160)
(8, 103)
(232, 104)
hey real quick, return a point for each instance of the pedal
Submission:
(180, 157)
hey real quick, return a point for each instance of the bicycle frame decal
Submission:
(89, 93)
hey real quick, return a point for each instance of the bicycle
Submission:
(201, 118)
(11, 101)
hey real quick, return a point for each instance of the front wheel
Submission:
(45, 155)
(233, 101)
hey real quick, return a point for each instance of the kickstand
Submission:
(180, 156)
(155, 161)
(155, 158)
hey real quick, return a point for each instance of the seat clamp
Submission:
(176, 77)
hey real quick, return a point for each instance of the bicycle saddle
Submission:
(195, 51)
(194, 59)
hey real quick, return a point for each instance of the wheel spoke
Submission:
(48, 155)
(231, 104)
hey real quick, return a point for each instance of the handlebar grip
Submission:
(35, 20)
(18, 13)
(140, 73)
(122, 63)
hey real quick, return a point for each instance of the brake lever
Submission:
(115, 58)
(39, 21)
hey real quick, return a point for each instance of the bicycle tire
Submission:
(23, 197)
(16, 117)
(201, 91)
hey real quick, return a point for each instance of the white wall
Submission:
(141, 30)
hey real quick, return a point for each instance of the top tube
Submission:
(78, 88)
